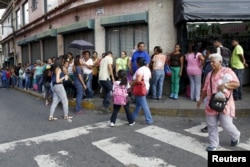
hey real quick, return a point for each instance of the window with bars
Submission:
(125, 38)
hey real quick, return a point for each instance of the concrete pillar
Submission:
(99, 37)
(60, 45)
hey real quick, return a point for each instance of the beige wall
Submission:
(161, 25)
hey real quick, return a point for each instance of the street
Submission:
(28, 139)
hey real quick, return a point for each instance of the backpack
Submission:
(226, 55)
(120, 94)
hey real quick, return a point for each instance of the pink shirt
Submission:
(193, 64)
(230, 107)
(159, 62)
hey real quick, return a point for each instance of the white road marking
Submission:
(46, 161)
(122, 152)
(196, 130)
(57, 136)
(63, 152)
(176, 139)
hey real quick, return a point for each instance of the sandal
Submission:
(67, 117)
(51, 118)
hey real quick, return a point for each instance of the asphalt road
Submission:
(28, 139)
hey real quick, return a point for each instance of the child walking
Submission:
(120, 98)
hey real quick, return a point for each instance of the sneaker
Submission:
(235, 142)
(89, 99)
(171, 96)
(112, 124)
(132, 124)
(209, 148)
(204, 130)
(175, 97)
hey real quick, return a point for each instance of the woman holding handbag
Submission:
(222, 81)
(140, 86)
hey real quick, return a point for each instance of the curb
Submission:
(178, 112)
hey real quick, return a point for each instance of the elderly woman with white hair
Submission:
(220, 81)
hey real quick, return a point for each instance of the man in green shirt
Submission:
(238, 63)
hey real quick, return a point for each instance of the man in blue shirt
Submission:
(139, 53)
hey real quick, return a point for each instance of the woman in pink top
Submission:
(195, 61)
(223, 80)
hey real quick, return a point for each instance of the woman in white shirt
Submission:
(144, 73)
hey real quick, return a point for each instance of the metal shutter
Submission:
(25, 54)
(125, 38)
(87, 35)
(35, 52)
(49, 48)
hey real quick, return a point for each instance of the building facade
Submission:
(40, 29)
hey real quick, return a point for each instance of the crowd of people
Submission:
(82, 76)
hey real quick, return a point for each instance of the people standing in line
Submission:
(223, 51)
(21, 77)
(142, 73)
(122, 63)
(122, 82)
(238, 63)
(214, 81)
(7, 77)
(87, 70)
(106, 79)
(95, 71)
(158, 62)
(27, 71)
(39, 75)
(195, 61)
(59, 93)
(13, 77)
(79, 84)
(4, 78)
(70, 59)
(47, 80)
(176, 61)
(140, 52)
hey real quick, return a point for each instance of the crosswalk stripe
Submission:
(121, 152)
(46, 160)
(196, 130)
(57, 136)
(176, 139)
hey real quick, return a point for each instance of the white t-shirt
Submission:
(104, 74)
(70, 68)
(86, 70)
(146, 73)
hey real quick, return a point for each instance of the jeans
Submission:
(116, 109)
(107, 87)
(89, 91)
(175, 80)
(14, 81)
(79, 95)
(195, 87)
(226, 123)
(237, 93)
(27, 82)
(7, 82)
(20, 82)
(157, 83)
(39, 81)
(59, 94)
(141, 102)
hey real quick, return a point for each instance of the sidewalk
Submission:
(183, 107)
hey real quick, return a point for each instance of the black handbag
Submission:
(217, 104)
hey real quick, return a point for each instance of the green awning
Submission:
(84, 25)
(125, 19)
(46, 34)
(27, 40)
